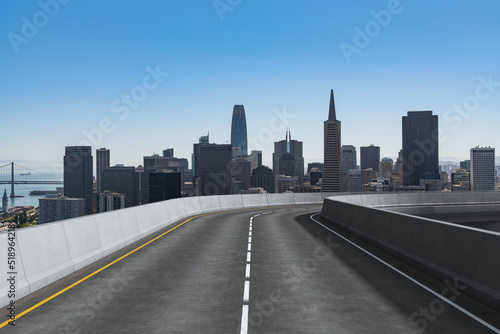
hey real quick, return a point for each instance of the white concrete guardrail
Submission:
(45, 253)
(444, 250)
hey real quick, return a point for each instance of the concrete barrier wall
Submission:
(45, 254)
(110, 232)
(48, 252)
(83, 253)
(443, 250)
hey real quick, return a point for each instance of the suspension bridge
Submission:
(16, 174)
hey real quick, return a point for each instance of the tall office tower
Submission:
(5, 203)
(354, 181)
(212, 168)
(156, 163)
(397, 177)
(386, 167)
(168, 153)
(239, 132)
(122, 180)
(370, 157)
(482, 168)
(287, 157)
(205, 139)
(78, 175)
(102, 160)
(263, 177)
(255, 159)
(348, 156)
(332, 170)
(240, 174)
(164, 186)
(53, 208)
(420, 146)
(465, 165)
(398, 166)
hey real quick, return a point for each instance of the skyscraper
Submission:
(255, 159)
(354, 180)
(168, 153)
(465, 165)
(240, 172)
(263, 177)
(212, 168)
(102, 160)
(386, 167)
(204, 139)
(156, 163)
(288, 157)
(420, 146)
(123, 180)
(78, 175)
(239, 132)
(164, 186)
(332, 169)
(349, 160)
(482, 165)
(370, 157)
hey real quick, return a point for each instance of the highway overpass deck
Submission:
(303, 277)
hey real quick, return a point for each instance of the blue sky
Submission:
(278, 58)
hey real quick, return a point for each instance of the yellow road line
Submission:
(95, 272)
(121, 258)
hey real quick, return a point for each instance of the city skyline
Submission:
(69, 78)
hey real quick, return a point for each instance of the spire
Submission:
(331, 114)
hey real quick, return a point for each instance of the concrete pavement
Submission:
(302, 278)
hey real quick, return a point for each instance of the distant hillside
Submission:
(456, 161)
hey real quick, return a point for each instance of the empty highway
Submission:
(271, 270)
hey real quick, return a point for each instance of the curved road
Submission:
(272, 270)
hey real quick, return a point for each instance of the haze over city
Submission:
(68, 73)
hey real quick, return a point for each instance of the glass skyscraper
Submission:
(370, 157)
(420, 146)
(78, 175)
(239, 131)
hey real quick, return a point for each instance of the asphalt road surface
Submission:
(273, 270)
